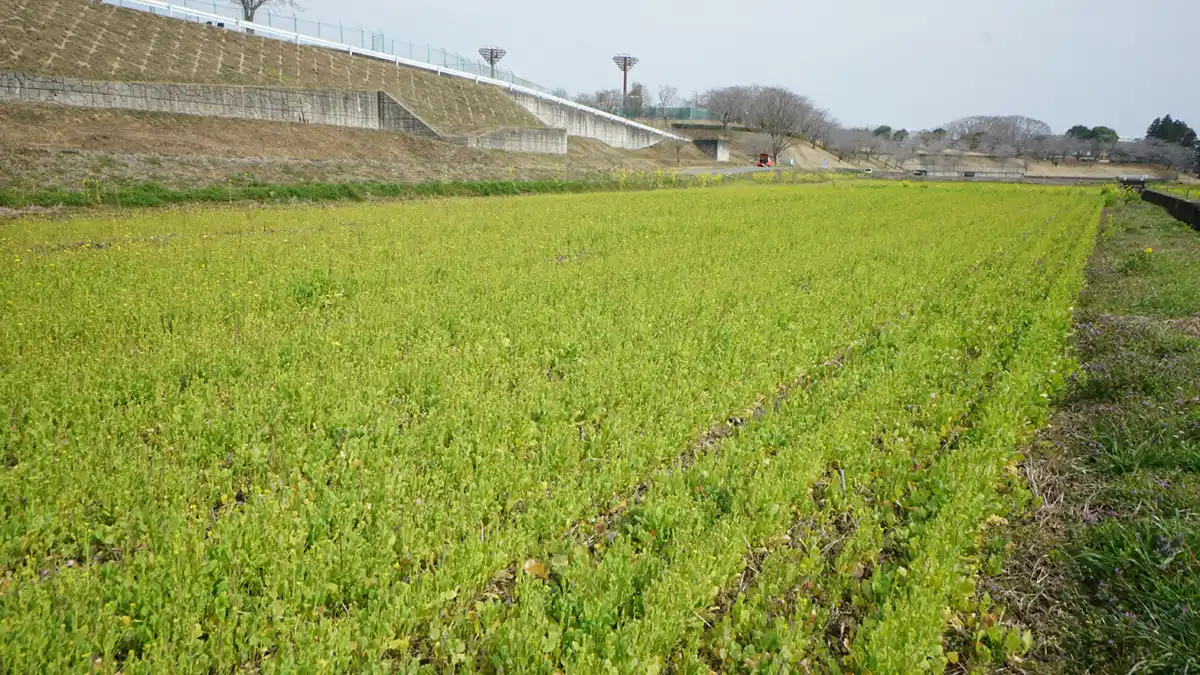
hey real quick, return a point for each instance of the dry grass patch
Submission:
(53, 146)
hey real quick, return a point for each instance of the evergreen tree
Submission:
(1172, 131)
(1083, 133)
(1155, 128)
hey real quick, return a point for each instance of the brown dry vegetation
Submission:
(91, 40)
(53, 146)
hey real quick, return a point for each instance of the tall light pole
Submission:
(626, 63)
(492, 55)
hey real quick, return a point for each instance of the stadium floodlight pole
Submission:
(626, 63)
(492, 55)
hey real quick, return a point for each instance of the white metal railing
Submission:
(262, 30)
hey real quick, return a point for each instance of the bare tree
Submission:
(604, 99)
(958, 130)
(930, 137)
(866, 142)
(1174, 156)
(1004, 152)
(818, 125)
(934, 155)
(730, 104)
(780, 114)
(887, 149)
(904, 150)
(636, 101)
(1026, 133)
(668, 97)
(1052, 149)
(249, 7)
(847, 144)
(988, 132)
(678, 144)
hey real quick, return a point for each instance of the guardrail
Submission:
(175, 11)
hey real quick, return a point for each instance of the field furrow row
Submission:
(578, 432)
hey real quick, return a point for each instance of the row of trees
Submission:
(610, 99)
(783, 116)
(1173, 141)
(995, 135)
(753, 105)
(1168, 142)
(1172, 131)
(787, 118)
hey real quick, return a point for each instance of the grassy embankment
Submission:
(1105, 570)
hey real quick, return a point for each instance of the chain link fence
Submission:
(349, 35)
(654, 112)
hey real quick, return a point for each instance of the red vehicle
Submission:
(764, 160)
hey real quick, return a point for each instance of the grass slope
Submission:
(46, 147)
(1107, 572)
(91, 40)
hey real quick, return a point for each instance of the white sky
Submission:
(914, 64)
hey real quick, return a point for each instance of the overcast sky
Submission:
(914, 64)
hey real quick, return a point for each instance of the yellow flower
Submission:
(1149, 250)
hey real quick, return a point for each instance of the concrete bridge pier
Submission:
(717, 148)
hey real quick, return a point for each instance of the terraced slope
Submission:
(47, 146)
(92, 40)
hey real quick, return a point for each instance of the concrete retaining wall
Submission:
(1183, 209)
(717, 148)
(358, 109)
(544, 141)
(393, 116)
(588, 125)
